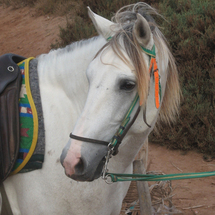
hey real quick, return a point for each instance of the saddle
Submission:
(10, 84)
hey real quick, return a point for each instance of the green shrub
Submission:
(191, 34)
(82, 27)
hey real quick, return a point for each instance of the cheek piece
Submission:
(119, 135)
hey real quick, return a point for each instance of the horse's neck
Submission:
(65, 68)
(63, 88)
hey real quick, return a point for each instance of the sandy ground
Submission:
(197, 194)
(24, 33)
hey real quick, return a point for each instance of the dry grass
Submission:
(161, 197)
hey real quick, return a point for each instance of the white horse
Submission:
(93, 83)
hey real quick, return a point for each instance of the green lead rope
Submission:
(144, 177)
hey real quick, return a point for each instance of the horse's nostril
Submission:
(79, 168)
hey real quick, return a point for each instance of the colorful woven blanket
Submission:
(29, 125)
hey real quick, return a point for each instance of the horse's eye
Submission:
(127, 85)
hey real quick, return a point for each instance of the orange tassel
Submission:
(154, 68)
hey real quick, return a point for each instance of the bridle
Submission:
(116, 140)
(120, 134)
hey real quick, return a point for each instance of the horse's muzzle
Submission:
(83, 161)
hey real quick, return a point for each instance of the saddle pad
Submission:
(28, 125)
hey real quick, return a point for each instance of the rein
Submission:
(115, 177)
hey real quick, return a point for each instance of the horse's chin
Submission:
(84, 178)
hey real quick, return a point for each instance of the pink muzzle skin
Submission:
(71, 156)
(83, 161)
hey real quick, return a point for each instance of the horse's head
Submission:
(119, 72)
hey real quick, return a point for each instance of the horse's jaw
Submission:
(83, 161)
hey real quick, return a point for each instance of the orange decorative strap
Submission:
(153, 68)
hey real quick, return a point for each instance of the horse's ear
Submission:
(103, 26)
(143, 33)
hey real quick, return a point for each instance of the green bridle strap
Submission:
(149, 52)
(109, 38)
(124, 123)
(119, 133)
(144, 177)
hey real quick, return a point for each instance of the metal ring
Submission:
(108, 179)
(10, 68)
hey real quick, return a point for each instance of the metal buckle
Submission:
(10, 68)
(105, 168)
